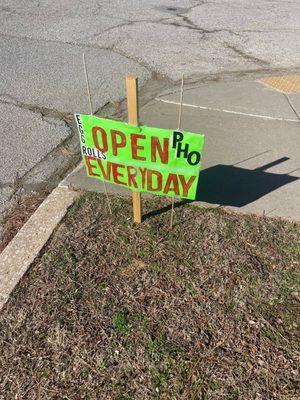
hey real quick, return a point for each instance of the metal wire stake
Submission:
(180, 103)
(88, 85)
(91, 112)
(178, 128)
(107, 198)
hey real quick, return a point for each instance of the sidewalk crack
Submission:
(291, 105)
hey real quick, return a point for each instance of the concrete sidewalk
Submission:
(43, 82)
(251, 158)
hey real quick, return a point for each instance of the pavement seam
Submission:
(229, 111)
(84, 46)
(44, 111)
(246, 56)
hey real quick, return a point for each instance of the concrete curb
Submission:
(19, 254)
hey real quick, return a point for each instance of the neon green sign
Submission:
(144, 159)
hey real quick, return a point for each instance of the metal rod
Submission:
(172, 213)
(91, 112)
(107, 198)
(88, 85)
(180, 103)
(178, 128)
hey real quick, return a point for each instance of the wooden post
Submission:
(133, 119)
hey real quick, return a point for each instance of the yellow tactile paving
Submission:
(285, 83)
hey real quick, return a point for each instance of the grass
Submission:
(120, 322)
(18, 214)
(113, 310)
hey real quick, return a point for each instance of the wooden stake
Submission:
(133, 119)
(91, 112)
(178, 128)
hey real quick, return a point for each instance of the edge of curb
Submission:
(22, 250)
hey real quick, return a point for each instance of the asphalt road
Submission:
(41, 74)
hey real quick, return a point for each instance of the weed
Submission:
(213, 385)
(234, 394)
(158, 346)
(120, 322)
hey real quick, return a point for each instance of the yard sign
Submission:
(141, 158)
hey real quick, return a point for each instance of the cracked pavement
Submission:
(42, 81)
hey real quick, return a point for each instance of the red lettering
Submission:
(156, 147)
(117, 174)
(105, 174)
(143, 172)
(135, 147)
(186, 185)
(131, 176)
(90, 166)
(150, 185)
(115, 143)
(95, 131)
(172, 179)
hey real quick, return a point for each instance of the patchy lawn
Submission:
(113, 310)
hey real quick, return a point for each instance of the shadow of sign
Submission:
(235, 186)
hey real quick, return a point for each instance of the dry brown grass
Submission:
(18, 215)
(113, 310)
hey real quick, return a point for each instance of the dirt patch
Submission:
(114, 310)
(18, 215)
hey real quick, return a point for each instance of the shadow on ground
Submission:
(228, 185)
